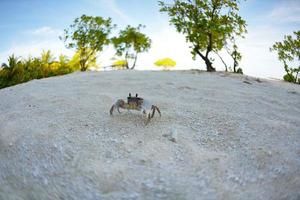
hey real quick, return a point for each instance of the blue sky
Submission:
(29, 26)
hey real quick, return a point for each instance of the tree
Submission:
(88, 35)
(12, 67)
(47, 57)
(13, 62)
(76, 61)
(166, 63)
(235, 55)
(288, 52)
(130, 43)
(207, 24)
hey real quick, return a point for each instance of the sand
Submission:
(221, 136)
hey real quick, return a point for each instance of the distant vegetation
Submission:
(88, 35)
(210, 26)
(18, 70)
(130, 43)
(288, 52)
(166, 63)
(207, 25)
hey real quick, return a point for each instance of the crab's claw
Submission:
(119, 104)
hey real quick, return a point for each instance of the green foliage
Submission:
(130, 43)
(236, 56)
(19, 71)
(76, 61)
(288, 52)
(47, 57)
(207, 24)
(239, 71)
(289, 78)
(166, 63)
(88, 35)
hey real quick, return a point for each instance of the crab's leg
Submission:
(157, 110)
(148, 119)
(153, 111)
(118, 108)
(112, 109)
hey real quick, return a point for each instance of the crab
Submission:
(136, 103)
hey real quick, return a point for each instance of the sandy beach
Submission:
(221, 136)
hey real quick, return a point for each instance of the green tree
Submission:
(288, 52)
(17, 71)
(13, 72)
(235, 55)
(76, 61)
(207, 24)
(88, 35)
(47, 57)
(13, 62)
(11, 67)
(130, 43)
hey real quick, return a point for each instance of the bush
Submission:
(288, 52)
(289, 78)
(239, 71)
(166, 63)
(20, 71)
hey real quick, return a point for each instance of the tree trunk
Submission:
(226, 69)
(83, 60)
(235, 64)
(83, 65)
(134, 63)
(126, 58)
(126, 65)
(296, 78)
(209, 66)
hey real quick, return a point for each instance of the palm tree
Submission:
(13, 62)
(47, 57)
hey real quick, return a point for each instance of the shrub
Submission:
(166, 63)
(239, 71)
(20, 71)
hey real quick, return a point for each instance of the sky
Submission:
(27, 27)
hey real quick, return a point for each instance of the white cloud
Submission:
(286, 11)
(114, 8)
(36, 40)
(45, 31)
(257, 58)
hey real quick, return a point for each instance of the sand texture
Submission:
(221, 136)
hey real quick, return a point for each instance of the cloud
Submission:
(45, 31)
(34, 41)
(286, 12)
(113, 7)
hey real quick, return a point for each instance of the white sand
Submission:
(234, 140)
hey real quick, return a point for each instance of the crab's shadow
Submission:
(132, 117)
(129, 116)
